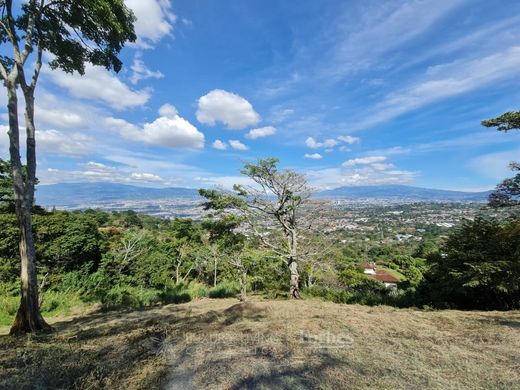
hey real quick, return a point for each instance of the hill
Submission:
(221, 344)
(402, 192)
(76, 194)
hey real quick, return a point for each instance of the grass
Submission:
(54, 304)
(221, 344)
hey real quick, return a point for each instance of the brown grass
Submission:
(221, 344)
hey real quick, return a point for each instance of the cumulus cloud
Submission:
(237, 145)
(56, 142)
(228, 108)
(168, 111)
(155, 20)
(218, 144)
(172, 132)
(313, 156)
(364, 161)
(261, 132)
(99, 84)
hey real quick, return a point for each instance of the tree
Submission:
(73, 33)
(505, 122)
(478, 267)
(279, 198)
(507, 193)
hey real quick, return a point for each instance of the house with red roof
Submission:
(385, 277)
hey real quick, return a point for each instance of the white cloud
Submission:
(261, 132)
(446, 80)
(174, 132)
(99, 84)
(363, 37)
(350, 176)
(155, 20)
(146, 177)
(141, 72)
(237, 145)
(314, 156)
(93, 165)
(59, 118)
(168, 111)
(228, 108)
(382, 166)
(56, 142)
(313, 144)
(348, 139)
(218, 144)
(364, 161)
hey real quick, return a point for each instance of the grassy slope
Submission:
(222, 344)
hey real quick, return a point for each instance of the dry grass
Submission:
(270, 344)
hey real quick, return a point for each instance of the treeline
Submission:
(126, 259)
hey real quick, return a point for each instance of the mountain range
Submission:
(401, 192)
(81, 194)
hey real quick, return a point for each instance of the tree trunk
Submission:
(295, 279)
(177, 275)
(293, 265)
(215, 271)
(28, 317)
(243, 285)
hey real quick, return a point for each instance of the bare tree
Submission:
(276, 203)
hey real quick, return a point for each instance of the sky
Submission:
(356, 92)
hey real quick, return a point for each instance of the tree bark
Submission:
(243, 285)
(28, 318)
(295, 279)
(215, 271)
(293, 265)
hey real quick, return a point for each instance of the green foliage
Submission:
(128, 296)
(507, 193)
(479, 267)
(370, 295)
(505, 122)
(224, 290)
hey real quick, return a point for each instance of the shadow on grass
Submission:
(106, 349)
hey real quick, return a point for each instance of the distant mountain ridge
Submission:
(396, 192)
(81, 194)
(71, 194)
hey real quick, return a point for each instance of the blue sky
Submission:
(348, 92)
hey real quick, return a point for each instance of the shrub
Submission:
(176, 293)
(224, 290)
(135, 297)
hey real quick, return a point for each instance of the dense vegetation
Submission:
(125, 259)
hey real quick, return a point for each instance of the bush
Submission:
(127, 296)
(176, 293)
(374, 297)
(224, 290)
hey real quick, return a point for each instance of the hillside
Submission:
(71, 194)
(402, 192)
(220, 344)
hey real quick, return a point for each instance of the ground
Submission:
(223, 344)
